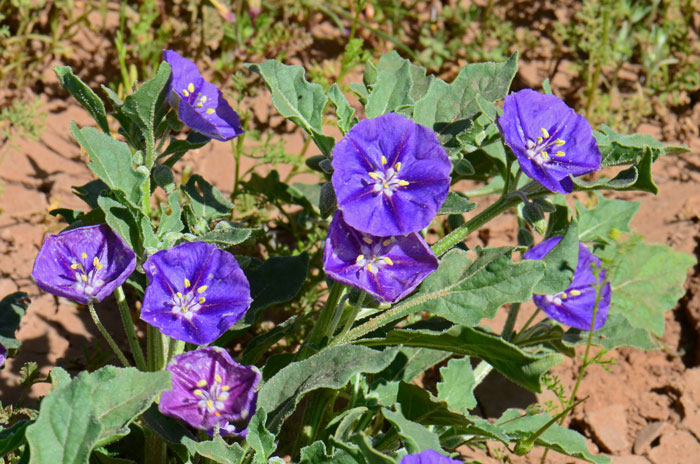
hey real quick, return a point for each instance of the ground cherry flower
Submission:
(550, 141)
(195, 292)
(83, 264)
(211, 390)
(574, 306)
(390, 176)
(428, 457)
(388, 268)
(199, 104)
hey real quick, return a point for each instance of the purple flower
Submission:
(549, 139)
(3, 354)
(428, 457)
(388, 268)
(199, 104)
(574, 306)
(390, 176)
(210, 389)
(195, 292)
(83, 264)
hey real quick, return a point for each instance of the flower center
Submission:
(211, 399)
(559, 298)
(87, 274)
(541, 149)
(387, 181)
(187, 304)
(373, 254)
(199, 100)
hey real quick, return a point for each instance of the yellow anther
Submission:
(367, 240)
(359, 258)
(564, 296)
(388, 261)
(217, 413)
(96, 263)
(179, 295)
(197, 392)
(371, 268)
(209, 111)
(84, 277)
(384, 161)
(545, 155)
(183, 309)
(210, 404)
(559, 153)
(539, 139)
(185, 93)
(397, 166)
(373, 175)
(217, 378)
(75, 266)
(202, 383)
(545, 134)
(187, 283)
(386, 242)
(559, 142)
(225, 388)
(190, 87)
(201, 300)
(202, 289)
(403, 183)
(83, 255)
(199, 105)
(204, 99)
(574, 293)
(220, 398)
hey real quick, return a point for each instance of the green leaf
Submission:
(415, 436)
(519, 366)
(145, 106)
(419, 405)
(225, 238)
(561, 263)
(259, 438)
(296, 99)
(456, 203)
(369, 453)
(315, 453)
(556, 437)
(277, 191)
(604, 222)
(130, 223)
(457, 386)
(12, 309)
(391, 91)
(169, 429)
(13, 437)
(217, 450)
(261, 343)
(177, 148)
(111, 161)
(465, 291)
(647, 280)
(343, 110)
(170, 217)
(206, 200)
(93, 410)
(617, 332)
(84, 94)
(331, 367)
(619, 149)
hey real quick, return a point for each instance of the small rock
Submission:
(692, 422)
(676, 447)
(654, 407)
(629, 459)
(647, 435)
(609, 427)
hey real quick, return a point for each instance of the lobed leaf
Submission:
(602, 223)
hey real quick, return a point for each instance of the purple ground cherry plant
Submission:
(275, 275)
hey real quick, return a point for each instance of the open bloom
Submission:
(390, 176)
(195, 292)
(550, 141)
(574, 306)
(428, 457)
(83, 264)
(210, 389)
(388, 268)
(199, 104)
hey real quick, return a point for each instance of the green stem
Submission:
(175, 347)
(155, 450)
(110, 341)
(481, 371)
(155, 355)
(129, 328)
(355, 311)
(527, 324)
(325, 318)
(510, 321)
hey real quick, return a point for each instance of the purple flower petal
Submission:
(3, 354)
(210, 389)
(550, 141)
(428, 457)
(195, 292)
(574, 306)
(199, 104)
(388, 268)
(83, 264)
(390, 176)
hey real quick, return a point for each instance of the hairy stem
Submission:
(110, 341)
(129, 328)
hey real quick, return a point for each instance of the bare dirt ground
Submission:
(645, 409)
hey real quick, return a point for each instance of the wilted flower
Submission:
(390, 176)
(427, 457)
(83, 264)
(210, 389)
(195, 292)
(199, 104)
(388, 268)
(549, 139)
(574, 306)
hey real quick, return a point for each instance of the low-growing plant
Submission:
(299, 330)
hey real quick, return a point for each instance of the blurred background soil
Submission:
(633, 66)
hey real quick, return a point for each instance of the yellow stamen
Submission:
(84, 255)
(574, 293)
(225, 388)
(359, 258)
(388, 261)
(201, 300)
(96, 263)
(564, 296)
(84, 277)
(373, 175)
(210, 404)
(202, 383)
(217, 413)
(386, 242)
(367, 240)
(217, 378)
(403, 183)
(187, 283)
(185, 93)
(220, 398)
(202, 289)
(74, 266)
(204, 99)
(199, 105)
(183, 310)
(384, 161)
(559, 153)
(179, 295)
(371, 269)
(539, 139)
(545, 155)
(190, 87)
(545, 134)
(397, 166)
(559, 142)
(197, 392)
(209, 111)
